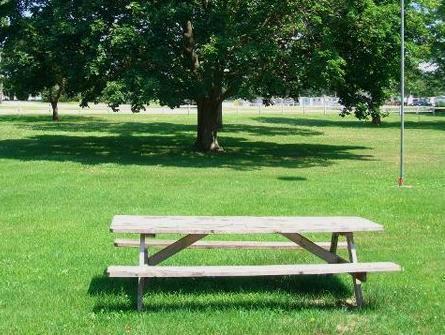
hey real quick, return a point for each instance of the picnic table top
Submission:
(240, 224)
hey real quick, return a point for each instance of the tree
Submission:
(369, 43)
(423, 39)
(42, 49)
(438, 47)
(3, 24)
(423, 82)
(1, 83)
(210, 50)
(203, 50)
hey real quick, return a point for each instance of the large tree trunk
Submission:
(55, 93)
(55, 108)
(209, 122)
(376, 119)
(219, 116)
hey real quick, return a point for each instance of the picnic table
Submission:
(196, 228)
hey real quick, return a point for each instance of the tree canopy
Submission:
(438, 45)
(422, 36)
(207, 51)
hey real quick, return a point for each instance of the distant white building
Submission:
(302, 101)
(319, 101)
(36, 98)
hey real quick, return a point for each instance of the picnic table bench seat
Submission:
(195, 229)
(248, 270)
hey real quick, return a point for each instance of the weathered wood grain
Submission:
(238, 225)
(356, 280)
(334, 243)
(247, 271)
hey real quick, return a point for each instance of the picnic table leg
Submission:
(143, 260)
(334, 243)
(353, 258)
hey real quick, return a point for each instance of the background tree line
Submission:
(211, 50)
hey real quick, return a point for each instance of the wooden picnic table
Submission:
(197, 227)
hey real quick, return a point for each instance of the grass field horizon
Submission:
(62, 182)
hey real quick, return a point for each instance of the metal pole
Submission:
(402, 92)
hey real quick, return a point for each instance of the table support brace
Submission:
(320, 252)
(174, 248)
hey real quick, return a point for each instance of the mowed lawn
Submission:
(61, 183)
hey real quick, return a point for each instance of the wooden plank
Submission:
(247, 271)
(174, 248)
(355, 279)
(239, 225)
(129, 243)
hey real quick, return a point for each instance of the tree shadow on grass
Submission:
(291, 178)
(165, 144)
(46, 119)
(192, 293)
(342, 123)
(88, 124)
(174, 150)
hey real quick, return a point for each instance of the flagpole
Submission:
(402, 93)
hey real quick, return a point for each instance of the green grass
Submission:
(61, 183)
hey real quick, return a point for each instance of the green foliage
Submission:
(46, 96)
(370, 43)
(114, 95)
(438, 49)
(244, 49)
(424, 84)
(422, 42)
(42, 48)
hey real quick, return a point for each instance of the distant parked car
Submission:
(421, 102)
